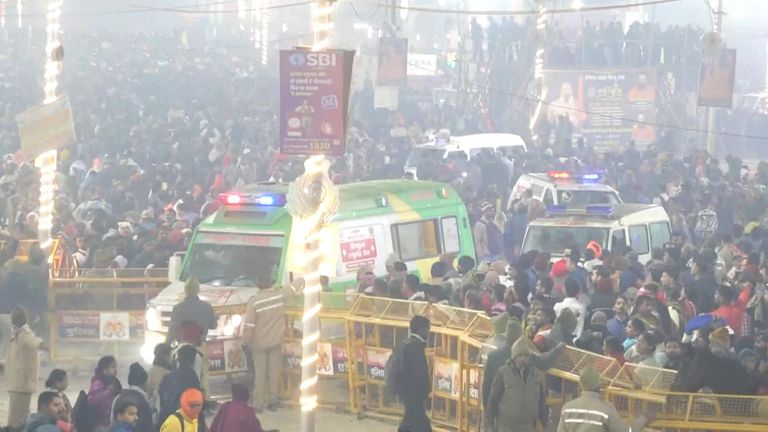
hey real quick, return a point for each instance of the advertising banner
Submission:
(324, 359)
(717, 76)
(104, 326)
(605, 107)
(46, 127)
(314, 94)
(292, 355)
(376, 362)
(422, 65)
(446, 377)
(393, 62)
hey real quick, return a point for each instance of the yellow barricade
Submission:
(102, 311)
(333, 350)
(693, 411)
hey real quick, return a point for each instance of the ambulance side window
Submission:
(638, 239)
(618, 242)
(549, 200)
(450, 234)
(416, 240)
(660, 235)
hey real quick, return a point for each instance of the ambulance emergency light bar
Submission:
(565, 175)
(256, 199)
(590, 210)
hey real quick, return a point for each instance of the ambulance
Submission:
(245, 245)
(564, 188)
(641, 227)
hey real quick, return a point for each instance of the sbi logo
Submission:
(312, 59)
(296, 59)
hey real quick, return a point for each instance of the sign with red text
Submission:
(358, 247)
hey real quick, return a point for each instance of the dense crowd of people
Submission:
(163, 130)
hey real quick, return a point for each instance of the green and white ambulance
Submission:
(244, 246)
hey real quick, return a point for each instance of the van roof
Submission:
(623, 214)
(569, 184)
(476, 141)
(357, 200)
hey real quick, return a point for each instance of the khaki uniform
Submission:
(589, 413)
(263, 331)
(22, 372)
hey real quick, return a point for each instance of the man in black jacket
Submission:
(416, 385)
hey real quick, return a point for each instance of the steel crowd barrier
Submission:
(100, 311)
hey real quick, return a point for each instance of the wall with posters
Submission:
(605, 107)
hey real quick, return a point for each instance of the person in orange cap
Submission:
(186, 418)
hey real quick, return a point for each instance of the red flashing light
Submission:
(233, 199)
(559, 175)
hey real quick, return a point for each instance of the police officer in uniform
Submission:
(590, 413)
(263, 330)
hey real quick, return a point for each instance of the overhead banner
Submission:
(393, 62)
(717, 75)
(606, 108)
(314, 95)
(46, 127)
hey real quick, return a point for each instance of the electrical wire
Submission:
(528, 11)
(492, 90)
(185, 9)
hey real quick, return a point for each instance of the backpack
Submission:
(84, 415)
(181, 420)
(395, 368)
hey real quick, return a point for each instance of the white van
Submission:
(641, 227)
(564, 188)
(471, 145)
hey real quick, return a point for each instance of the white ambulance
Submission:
(641, 227)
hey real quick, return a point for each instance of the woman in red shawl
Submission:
(237, 415)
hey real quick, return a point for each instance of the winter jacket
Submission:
(121, 427)
(146, 413)
(173, 424)
(101, 395)
(41, 423)
(416, 384)
(22, 368)
(173, 385)
(514, 400)
(263, 326)
(236, 416)
(589, 413)
(156, 375)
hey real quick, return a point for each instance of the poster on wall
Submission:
(292, 355)
(608, 108)
(235, 359)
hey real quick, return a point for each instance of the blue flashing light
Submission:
(258, 199)
(557, 209)
(599, 210)
(265, 200)
(591, 177)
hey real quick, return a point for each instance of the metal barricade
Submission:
(333, 350)
(374, 327)
(470, 401)
(100, 311)
(647, 378)
(693, 411)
